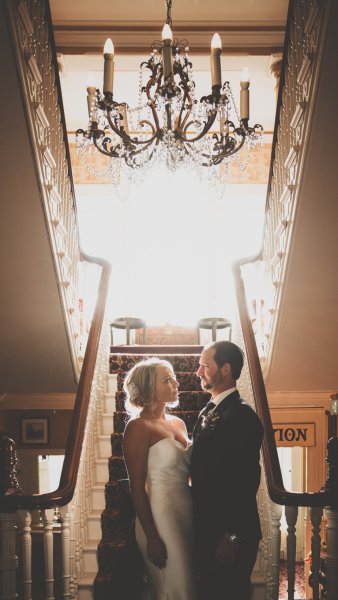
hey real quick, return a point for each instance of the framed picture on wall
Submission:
(34, 430)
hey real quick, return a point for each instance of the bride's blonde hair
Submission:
(139, 385)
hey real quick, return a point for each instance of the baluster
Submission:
(65, 549)
(332, 554)
(8, 558)
(331, 513)
(276, 515)
(48, 554)
(316, 514)
(26, 532)
(72, 582)
(291, 515)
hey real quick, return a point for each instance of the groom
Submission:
(225, 475)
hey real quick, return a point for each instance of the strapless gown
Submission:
(171, 504)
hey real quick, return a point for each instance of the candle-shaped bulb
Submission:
(91, 91)
(167, 38)
(244, 94)
(91, 83)
(108, 47)
(108, 74)
(215, 60)
(167, 34)
(245, 74)
(216, 41)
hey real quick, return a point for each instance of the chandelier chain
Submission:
(169, 20)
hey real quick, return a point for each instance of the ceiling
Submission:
(81, 26)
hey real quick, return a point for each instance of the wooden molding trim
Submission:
(130, 37)
(304, 398)
(39, 401)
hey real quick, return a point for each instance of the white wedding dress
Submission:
(171, 505)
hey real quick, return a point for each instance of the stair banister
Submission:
(277, 491)
(64, 493)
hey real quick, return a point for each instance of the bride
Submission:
(157, 455)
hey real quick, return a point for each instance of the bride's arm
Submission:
(136, 448)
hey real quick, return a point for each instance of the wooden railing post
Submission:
(332, 554)
(8, 557)
(48, 544)
(65, 550)
(26, 537)
(291, 514)
(331, 513)
(8, 461)
(273, 587)
(316, 514)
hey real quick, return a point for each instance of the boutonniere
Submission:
(210, 420)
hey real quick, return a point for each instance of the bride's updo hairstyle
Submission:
(139, 385)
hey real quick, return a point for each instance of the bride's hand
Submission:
(157, 552)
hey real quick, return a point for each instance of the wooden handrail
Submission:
(65, 491)
(276, 489)
(274, 479)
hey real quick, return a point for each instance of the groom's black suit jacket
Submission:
(225, 473)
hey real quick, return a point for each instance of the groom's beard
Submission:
(215, 381)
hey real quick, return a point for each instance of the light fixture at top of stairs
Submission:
(169, 123)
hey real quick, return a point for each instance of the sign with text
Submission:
(295, 434)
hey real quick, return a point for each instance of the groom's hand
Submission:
(226, 551)
(157, 552)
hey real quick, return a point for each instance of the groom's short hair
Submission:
(228, 352)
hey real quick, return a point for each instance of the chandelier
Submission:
(168, 123)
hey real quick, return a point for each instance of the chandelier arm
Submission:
(130, 157)
(218, 158)
(181, 125)
(110, 153)
(204, 131)
(116, 130)
(151, 103)
(126, 137)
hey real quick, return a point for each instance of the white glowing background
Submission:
(171, 243)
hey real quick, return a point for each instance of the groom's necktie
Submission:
(209, 407)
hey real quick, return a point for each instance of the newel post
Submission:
(331, 513)
(8, 485)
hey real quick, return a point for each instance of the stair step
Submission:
(85, 591)
(98, 497)
(104, 445)
(181, 362)
(89, 558)
(117, 469)
(107, 424)
(189, 400)
(116, 444)
(101, 470)
(187, 381)
(109, 402)
(94, 527)
(259, 587)
(111, 383)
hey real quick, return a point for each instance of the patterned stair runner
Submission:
(120, 574)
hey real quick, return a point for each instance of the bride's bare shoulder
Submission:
(136, 427)
(177, 422)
